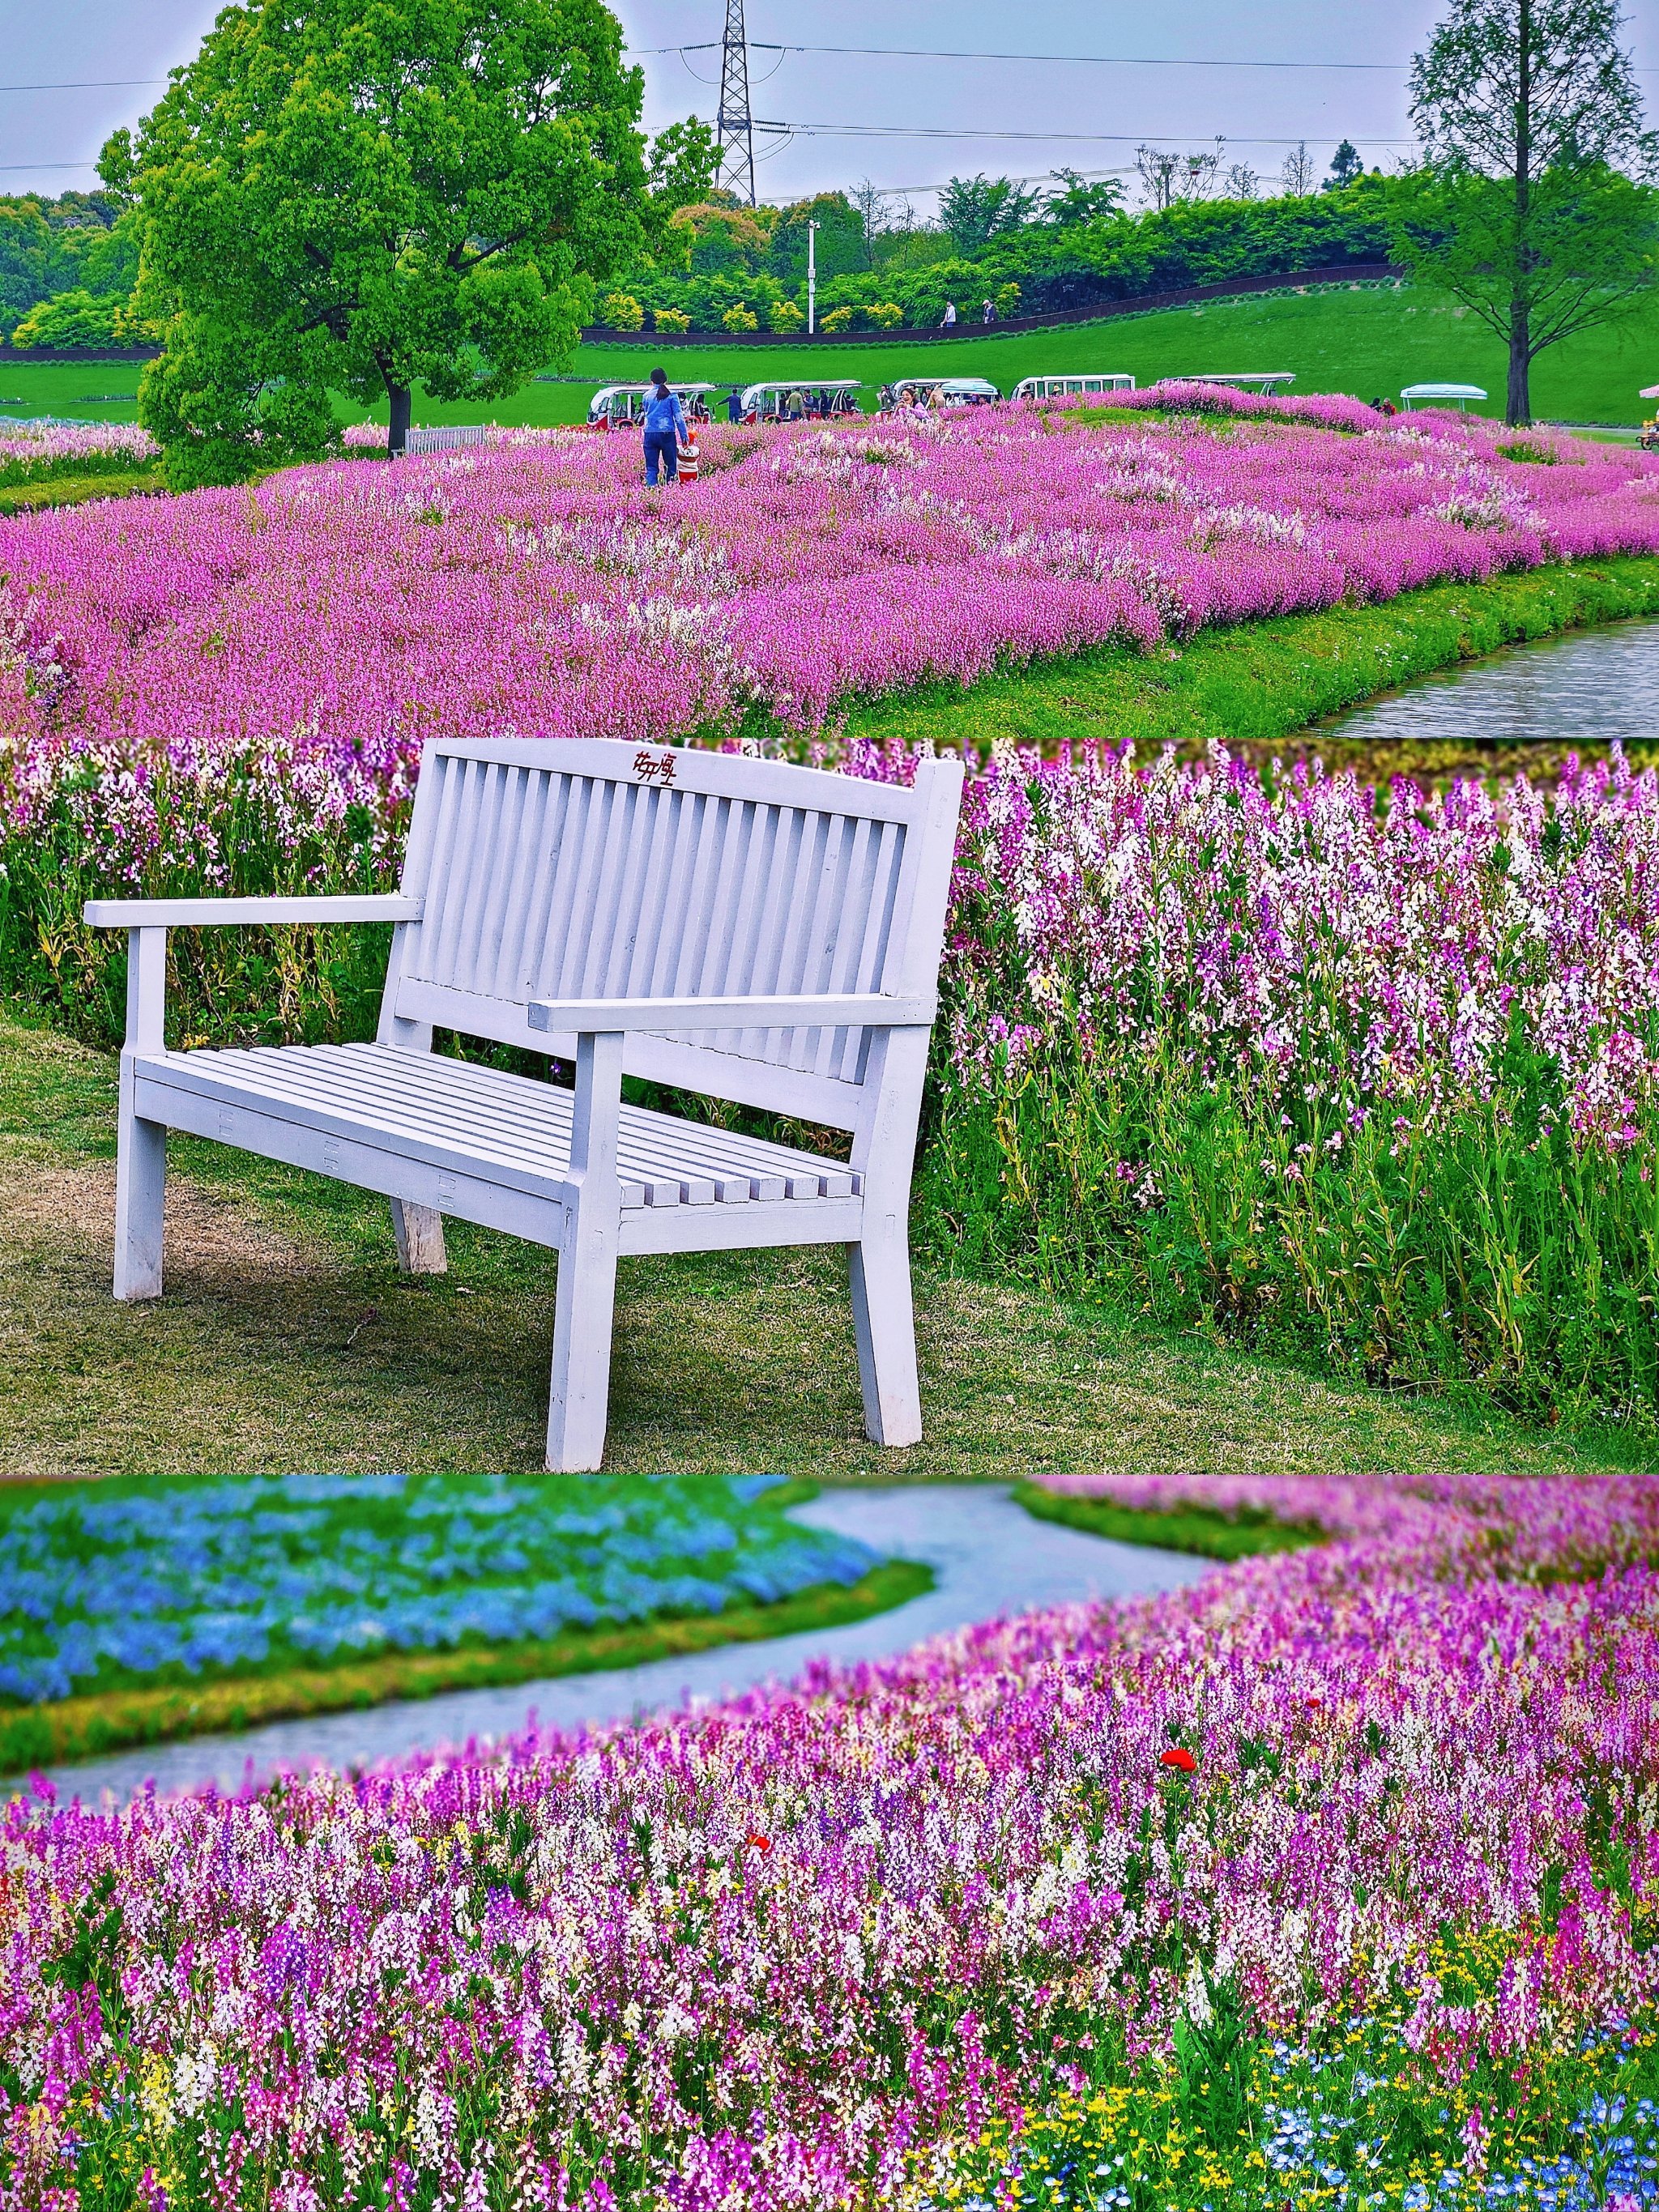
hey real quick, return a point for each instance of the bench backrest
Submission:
(563, 868)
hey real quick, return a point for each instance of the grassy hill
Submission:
(1359, 340)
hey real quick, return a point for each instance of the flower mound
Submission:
(347, 609)
(761, 1956)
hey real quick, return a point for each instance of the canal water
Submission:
(1590, 686)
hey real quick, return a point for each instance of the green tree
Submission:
(1076, 200)
(684, 162)
(1529, 114)
(360, 195)
(976, 209)
(1345, 167)
(840, 248)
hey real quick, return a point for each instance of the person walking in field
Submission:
(665, 429)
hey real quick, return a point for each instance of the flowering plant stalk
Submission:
(1376, 1078)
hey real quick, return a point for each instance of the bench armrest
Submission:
(209, 913)
(808, 1011)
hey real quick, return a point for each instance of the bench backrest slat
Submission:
(566, 870)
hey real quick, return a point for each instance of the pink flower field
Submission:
(793, 1954)
(345, 611)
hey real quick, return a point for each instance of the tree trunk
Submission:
(397, 435)
(1518, 399)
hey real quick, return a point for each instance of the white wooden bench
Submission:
(761, 934)
(445, 439)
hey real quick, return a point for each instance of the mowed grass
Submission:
(1367, 341)
(288, 1341)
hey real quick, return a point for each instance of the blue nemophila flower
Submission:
(187, 1577)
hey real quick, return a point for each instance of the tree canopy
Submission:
(1526, 210)
(365, 194)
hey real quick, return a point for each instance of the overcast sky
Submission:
(904, 122)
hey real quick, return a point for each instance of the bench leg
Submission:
(579, 1394)
(884, 1323)
(141, 1178)
(418, 1231)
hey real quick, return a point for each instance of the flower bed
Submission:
(32, 451)
(791, 1953)
(113, 1584)
(341, 611)
(1376, 1078)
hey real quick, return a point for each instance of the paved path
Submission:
(988, 1557)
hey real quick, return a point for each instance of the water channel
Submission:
(1589, 686)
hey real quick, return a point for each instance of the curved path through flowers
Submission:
(988, 1557)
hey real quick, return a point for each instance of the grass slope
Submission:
(115, 1720)
(75, 491)
(1360, 340)
(1197, 1528)
(1253, 686)
(288, 1341)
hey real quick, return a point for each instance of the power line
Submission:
(1042, 137)
(90, 84)
(1105, 61)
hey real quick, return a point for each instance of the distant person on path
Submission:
(665, 429)
(990, 314)
(950, 322)
(734, 405)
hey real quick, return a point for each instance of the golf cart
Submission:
(827, 400)
(1442, 395)
(944, 391)
(1062, 387)
(621, 406)
(1267, 382)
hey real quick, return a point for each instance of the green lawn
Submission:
(288, 1341)
(1363, 341)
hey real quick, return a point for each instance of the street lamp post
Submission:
(811, 278)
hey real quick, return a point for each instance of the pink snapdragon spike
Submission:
(1372, 961)
(574, 1946)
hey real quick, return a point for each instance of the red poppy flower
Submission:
(1179, 1757)
(762, 1844)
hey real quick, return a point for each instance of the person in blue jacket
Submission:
(665, 429)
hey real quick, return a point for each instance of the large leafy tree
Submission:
(976, 209)
(366, 194)
(1530, 207)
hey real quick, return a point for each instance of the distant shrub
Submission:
(740, 318)
(621, 311)
(670, 318)
(886, 315)
(784, 316)
(69, 319)
(1006, 298)
(838, 318)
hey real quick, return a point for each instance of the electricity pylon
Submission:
(734, 126)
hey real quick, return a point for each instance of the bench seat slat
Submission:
(458, 1115)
